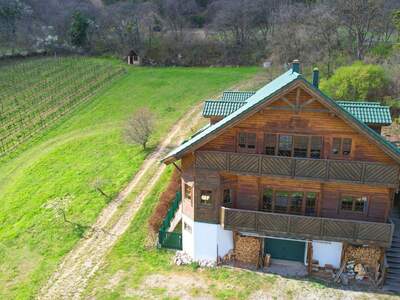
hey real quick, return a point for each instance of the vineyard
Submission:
(37, 93)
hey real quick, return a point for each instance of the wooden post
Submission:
(309, 256)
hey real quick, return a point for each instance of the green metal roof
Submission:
(237, 95)
(367, 112)
(262, 96)
(220, 108)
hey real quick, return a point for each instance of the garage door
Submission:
(285, 249)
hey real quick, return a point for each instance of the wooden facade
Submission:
(294, 151)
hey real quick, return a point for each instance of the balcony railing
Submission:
(300, 168)
(304, 227)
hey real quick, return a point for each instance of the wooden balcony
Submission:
(304, 227)
(300, 168)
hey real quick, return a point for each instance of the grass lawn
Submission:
(58, 167)
(134, 259)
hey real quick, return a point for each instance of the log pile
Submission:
(360, 263)
(363, 255)
(247, 249)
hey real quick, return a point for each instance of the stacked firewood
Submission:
(247, 249)
(364, 255)
(360, 263)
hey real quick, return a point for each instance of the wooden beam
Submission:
(177, 167)
(307, 102)
(288, 102)
(298, 98)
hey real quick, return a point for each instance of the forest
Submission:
(204, 32)
(357, 41)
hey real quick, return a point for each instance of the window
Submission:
(354, 203)
(336, 146)
(296, 202)
(270, 144)
(311, 200)
(227, 197)
(187, 227)
(293, 145)
(293, 202)
(360, 204)
(281, 201)
(285, 145)
(316, 147)
(346, 148)
(247, 142)
(188, 192)
(267, 198)
(341, 147)
(300, 146)
(205, 197)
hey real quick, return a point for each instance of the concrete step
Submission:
(391, 287)
(393, 265)
(393, 278)
(394, 250)
(393, 258)
(393, 271)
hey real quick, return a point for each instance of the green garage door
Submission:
(285, 249)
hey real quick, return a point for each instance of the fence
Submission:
(171, 240)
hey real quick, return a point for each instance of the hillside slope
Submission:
(54, 173)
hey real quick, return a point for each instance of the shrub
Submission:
(358, 81)
(165, 201)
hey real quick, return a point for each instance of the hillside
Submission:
(53, 173)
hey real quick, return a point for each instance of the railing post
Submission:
(328, 169)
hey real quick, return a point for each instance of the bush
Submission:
(357, 82)
(165, 201)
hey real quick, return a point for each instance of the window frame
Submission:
(275, 136)
(309, 142)
(209, 202)
(341, 149)
(275, 191)
(354, 198)
(187, 185)
(246, 148)
(230, 196)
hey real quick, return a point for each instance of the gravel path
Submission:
(73, 274)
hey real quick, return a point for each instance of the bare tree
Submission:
(140, 127)
(98, 185)
(322, 25)
(360, 18)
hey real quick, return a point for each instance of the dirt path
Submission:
(71, 277)
(73, 274)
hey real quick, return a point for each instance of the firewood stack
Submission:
(361, 263)
(247, 249)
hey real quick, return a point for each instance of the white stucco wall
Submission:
(327, 253)
(187, 237)
(207, 241)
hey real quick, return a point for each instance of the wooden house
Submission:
(302, 173)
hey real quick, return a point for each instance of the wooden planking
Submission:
(187, 175)
(299, 168)
(290, 122)
(248, 193)
(378, 201)
(285, 225)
